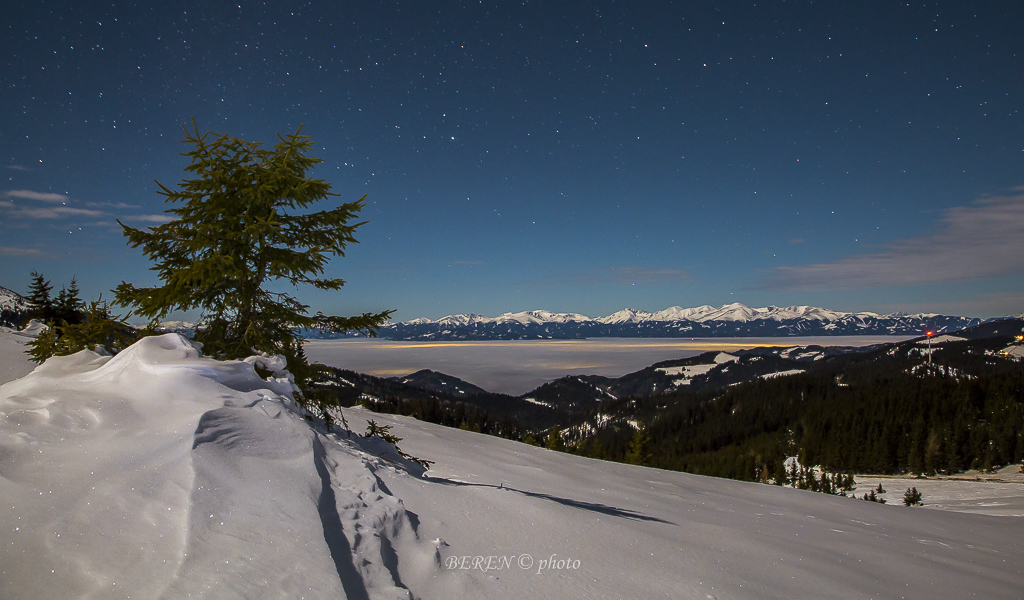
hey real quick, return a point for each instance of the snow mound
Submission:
(33, 329)
(159, 473)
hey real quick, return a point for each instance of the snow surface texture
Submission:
(162, 474)
(1001, 493)
(159, 473)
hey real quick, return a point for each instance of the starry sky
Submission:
(569, 156)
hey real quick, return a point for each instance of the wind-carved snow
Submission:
(159, 473)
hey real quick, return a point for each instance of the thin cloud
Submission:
(54, 212)
(159, 218)
(10, 251)
(120, 205)
(17, 168)
(625, 275)
(41, 196)
(978, 241)
(637, 274)
(633, 274)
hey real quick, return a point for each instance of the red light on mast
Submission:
(929, 333)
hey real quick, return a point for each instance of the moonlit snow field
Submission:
(159, 473)
(519, 366)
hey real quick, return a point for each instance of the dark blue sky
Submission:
(583, 156)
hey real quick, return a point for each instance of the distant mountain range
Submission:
(730, 320)
(12, 301)
(12, 307)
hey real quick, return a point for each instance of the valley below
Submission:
(518, 366)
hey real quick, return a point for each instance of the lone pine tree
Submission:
(239, 225)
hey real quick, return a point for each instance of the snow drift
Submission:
(159, 473)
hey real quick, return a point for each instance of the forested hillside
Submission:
(885, 411)
(895, 408)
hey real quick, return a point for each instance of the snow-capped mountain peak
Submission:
(541, 316)
(678, 313)
(626, 315)
(729, 320)
(460, 320)
(735, 311)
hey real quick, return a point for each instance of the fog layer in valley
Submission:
(519, 366)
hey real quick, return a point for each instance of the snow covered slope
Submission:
(14, 363)
(12, 300)
(162, 474)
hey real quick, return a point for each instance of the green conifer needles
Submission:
(240, 224)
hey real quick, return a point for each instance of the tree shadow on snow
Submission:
(603, 509)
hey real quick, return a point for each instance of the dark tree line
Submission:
(11, 318)
(880, 416)
(71, 324)
(65, 307)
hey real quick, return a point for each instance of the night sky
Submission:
(569, 156)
